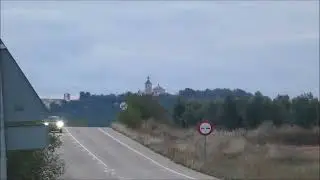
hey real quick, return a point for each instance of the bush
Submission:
(141, 108)
(130, 117)
(36, 164)
(147, 106)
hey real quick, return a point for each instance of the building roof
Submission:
(2, 46)
(16, 86)
(158, 87)
(148, 81)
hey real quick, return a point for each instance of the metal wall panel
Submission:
(21, 102)
(27, 138)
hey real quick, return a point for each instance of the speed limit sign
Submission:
(205, 128)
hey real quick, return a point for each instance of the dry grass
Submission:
(262, 153)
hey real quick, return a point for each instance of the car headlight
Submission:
(60, 124)
(46, 123)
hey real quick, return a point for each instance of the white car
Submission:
(55, 123)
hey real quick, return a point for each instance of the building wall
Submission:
(148, 88)
(153, 91)
(66, 97)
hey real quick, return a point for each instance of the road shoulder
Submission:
(161, 159)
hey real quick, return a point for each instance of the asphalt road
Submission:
(102, 153)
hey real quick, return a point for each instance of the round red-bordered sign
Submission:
(205, 128)
(123, 106)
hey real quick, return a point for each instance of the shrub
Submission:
(36, 164)
(130, 117)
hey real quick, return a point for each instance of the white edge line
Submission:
(94, 156)
(153, 161)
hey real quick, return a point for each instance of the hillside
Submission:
(255, 136)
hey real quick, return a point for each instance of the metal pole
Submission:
(205, 148)
(318, 111)
(3, 158)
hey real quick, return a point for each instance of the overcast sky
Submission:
(111, 47)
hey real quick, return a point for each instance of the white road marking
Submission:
(153, 161)
(107, 170)
(90, 153)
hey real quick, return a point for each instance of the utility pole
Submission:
(318, 111)
(3, 149)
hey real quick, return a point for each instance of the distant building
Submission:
(66, 97)
(140, 93)
(148, 86)
(47, 102)
(158, 90)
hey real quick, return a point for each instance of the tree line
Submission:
(230, 112)
(234, 111)
(225, 108)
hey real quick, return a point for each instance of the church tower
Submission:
(148, 86)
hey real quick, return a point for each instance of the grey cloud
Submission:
(111, 46)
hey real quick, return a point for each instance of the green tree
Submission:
(147, 106)
(130, 117)
(193, 113)
(305, 110)
(255, 110)
(178, 111)
(281, 110)
(230, 117)
(212, 112)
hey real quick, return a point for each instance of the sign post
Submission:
(3, 155)
(205, 128)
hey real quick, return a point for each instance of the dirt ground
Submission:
(262, 153)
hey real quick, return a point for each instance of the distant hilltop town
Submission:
(148, 89)
(47, 102)
(156, 91)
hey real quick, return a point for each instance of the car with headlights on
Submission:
(54, 123)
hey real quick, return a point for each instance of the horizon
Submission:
(271, 47)
(77, 96)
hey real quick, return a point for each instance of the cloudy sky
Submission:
(110, 47)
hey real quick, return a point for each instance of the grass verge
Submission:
(262, 153)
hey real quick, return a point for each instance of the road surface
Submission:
(102, 153)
